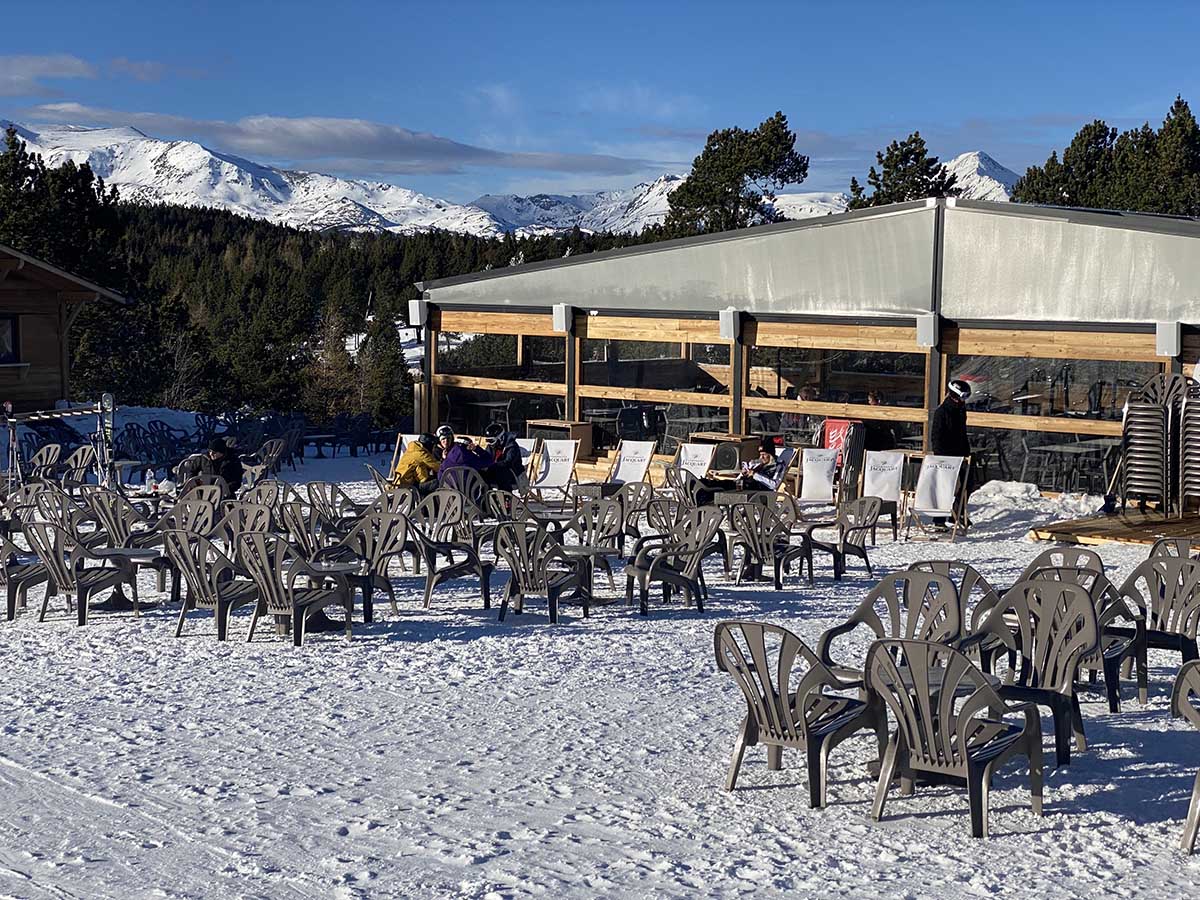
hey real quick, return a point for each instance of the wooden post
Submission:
(521, 352)
(432, 400)
(571, 407)
(64, 340)
(739, 371)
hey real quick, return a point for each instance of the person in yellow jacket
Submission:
(417, 466)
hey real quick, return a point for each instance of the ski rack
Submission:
(101, 439)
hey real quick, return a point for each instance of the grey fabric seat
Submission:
(950, 724)
(789, 703)
(1185, 698)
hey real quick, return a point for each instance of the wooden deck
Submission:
(1130, 527)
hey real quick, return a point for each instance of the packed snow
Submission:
(441, 753)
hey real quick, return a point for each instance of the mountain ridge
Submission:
(152, 170)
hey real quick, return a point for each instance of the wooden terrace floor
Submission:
(1129, 527)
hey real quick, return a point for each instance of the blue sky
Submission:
(457, 99)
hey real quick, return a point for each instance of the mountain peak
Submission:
(980, 177)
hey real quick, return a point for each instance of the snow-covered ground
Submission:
(443, 754)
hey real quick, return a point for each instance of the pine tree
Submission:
(906, 172)
(734, 178)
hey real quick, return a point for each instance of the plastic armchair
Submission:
(1184, 697)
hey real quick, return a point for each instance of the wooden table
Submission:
(570, 430)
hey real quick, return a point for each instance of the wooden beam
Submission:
(1036, 344)
(1044, 423)
(511, 385)
(78, 296)
(533, 324)
(811, 335)
(640, 328)
(10, 265)
(840, 410)
(686, 398)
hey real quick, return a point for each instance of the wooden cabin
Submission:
(1053, 314)
(38, 304)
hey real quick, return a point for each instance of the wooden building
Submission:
(38, 304)
(1053, 314)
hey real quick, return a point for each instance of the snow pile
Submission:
(442, 753)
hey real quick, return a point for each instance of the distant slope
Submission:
(149, 170)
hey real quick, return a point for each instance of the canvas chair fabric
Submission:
(695, 459)
(817, 470)
(556, 466)
(632, 462)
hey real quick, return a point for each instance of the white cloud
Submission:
(24, 76)
(356, 146)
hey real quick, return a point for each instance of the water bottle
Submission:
(151, 487)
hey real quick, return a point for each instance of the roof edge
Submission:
(63, 273)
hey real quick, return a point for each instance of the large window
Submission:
(1054, 461)
(838, 376)
(658, 365)
(10, 347)
(505, 356)
(470, 411)
(1072, 388)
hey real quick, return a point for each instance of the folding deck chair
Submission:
(818, 468)
(555, 469)
(883, 477)
(630, 465)
(940, 494)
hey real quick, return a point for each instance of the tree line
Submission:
(230, 310)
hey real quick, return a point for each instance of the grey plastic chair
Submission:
(762, 537)
(1117, 643)
(237, 518)
(1179, 548)
(435, 526)
(920, 606)
(675, 558)
(332, 502)
(949, 724)
(19, 571)
(857, 519)
(374, 542)
(1064, 558)
(634, 497)
(66, 561)
(532, 554)
(211, 579)
(1050, 626)
(1166, 591)
(788, 701)
(976, 597)
(1184, 699)
(308, 529)
(275, 568)
(265, 462)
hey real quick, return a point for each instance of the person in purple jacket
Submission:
(457, 452)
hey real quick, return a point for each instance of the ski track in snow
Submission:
(443, 754)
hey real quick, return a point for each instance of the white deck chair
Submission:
(817, 484)
(556, 468)
(883, 477)
(695, 458)
(528, 448)
(632, 462)
(940, 493)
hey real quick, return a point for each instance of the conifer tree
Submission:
(906, 172)
(734, 178)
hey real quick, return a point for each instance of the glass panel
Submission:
(652, 364)
(1052, 461)
(667, 423)
(1095, 389)
(471, 411)
(838, 376)
(495, 356)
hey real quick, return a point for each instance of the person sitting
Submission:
(417, 466)
(507, 467)
(460, 452)
(760, 475)
(225, 463)
(879, 434)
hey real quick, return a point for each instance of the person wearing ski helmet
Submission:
(948, 436)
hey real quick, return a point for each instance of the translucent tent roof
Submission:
(999, 261)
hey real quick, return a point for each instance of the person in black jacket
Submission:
(225, 463)
(948, 436)
(505, 471)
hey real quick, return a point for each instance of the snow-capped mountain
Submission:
(150, 170)
(982, 178)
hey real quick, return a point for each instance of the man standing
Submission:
(948, 436)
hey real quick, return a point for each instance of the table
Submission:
(585, 556)
(156, 498)
(117, 601)
(572, 430)
(317, 440)
(1074, 451)
(595, 490)
(356, 571)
